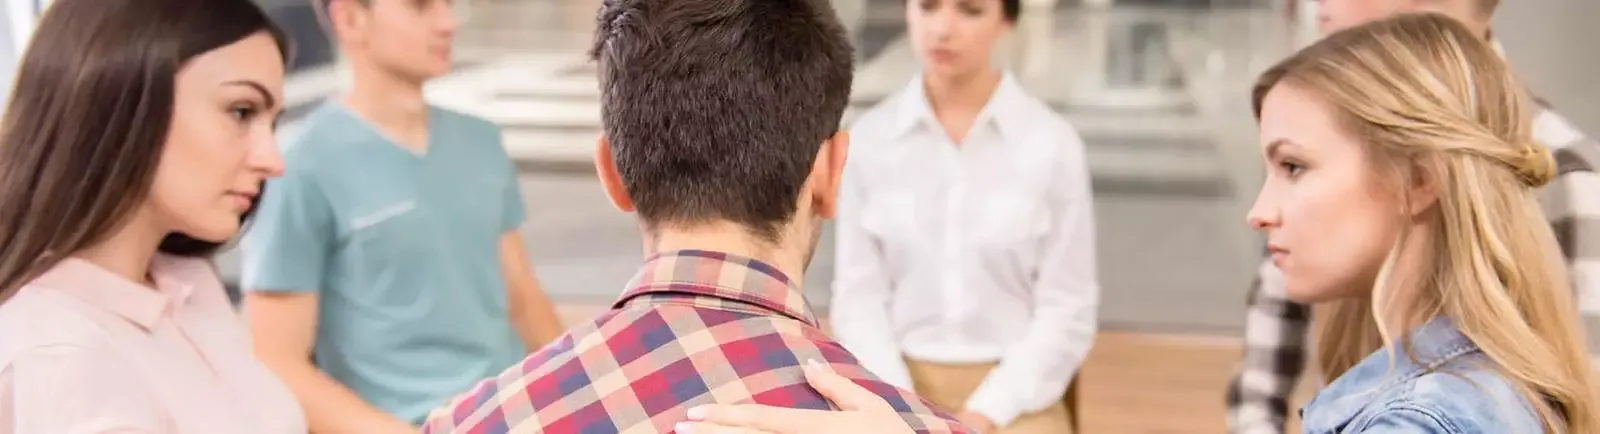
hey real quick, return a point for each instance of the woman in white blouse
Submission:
(966, 264)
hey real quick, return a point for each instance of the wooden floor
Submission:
(1136, 383)
(1140, 383)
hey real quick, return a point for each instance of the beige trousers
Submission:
(948, 386)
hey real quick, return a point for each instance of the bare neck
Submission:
(1482, 29)
(129, 251)
(966, 92)
(733, 239)
(392, 103)
(1412, 297)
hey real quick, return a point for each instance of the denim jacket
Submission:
(1450, 389)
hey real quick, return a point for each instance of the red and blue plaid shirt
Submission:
(694, 328)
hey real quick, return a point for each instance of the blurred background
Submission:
(1158, 88)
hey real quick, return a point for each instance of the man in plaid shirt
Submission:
(1275, 327)
(721, 126)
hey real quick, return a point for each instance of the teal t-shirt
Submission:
(402, 250)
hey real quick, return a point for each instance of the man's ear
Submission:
(347, 20)
(606, 169)
(828, 171)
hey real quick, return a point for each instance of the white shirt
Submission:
(977, 253)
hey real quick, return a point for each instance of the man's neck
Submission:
(731, 239)
(394, 104)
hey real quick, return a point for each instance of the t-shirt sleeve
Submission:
(514, 210)
(291, 237)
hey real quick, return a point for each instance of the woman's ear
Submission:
(1422, 186)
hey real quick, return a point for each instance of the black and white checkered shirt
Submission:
(1275, 342)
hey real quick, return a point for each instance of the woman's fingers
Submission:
(760, 418)
(858, 406)
(711, 428)
(845, 394)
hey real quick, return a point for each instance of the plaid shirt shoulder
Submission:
(696, 328)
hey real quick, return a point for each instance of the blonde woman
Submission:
(1399, 197)
(1275, 328)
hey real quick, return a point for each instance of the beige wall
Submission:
(1555, 46)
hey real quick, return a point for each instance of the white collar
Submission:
(913, 108)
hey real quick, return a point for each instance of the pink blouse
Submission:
(83, 350)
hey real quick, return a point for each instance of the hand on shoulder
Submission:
(860, 411)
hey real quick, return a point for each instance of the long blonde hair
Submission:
(1434, 102)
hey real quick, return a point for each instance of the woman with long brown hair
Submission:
(135, 144)
(1399, 197)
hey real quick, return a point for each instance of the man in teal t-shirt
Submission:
(383, 272)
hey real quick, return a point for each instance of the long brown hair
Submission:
(1431, 100)
(86, 123)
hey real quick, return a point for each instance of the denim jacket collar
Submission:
(1434, 343)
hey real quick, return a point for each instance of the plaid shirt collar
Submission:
(717, 275)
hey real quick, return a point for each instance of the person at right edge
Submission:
(1401, 175)
(1276, 348)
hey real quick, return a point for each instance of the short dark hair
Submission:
(716, 109)
(1012, 9)
(85, 127)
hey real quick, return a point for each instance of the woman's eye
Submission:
(1292, 168)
